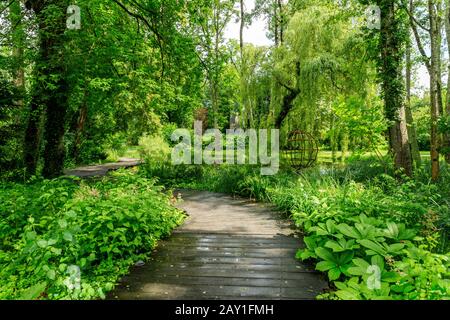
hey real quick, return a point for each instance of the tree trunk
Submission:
(275, 21)
(344, 145)
(287, 106)
(53, 96)
(33, 131)
(438, 37)
(333, 139)
(33, 137)
(242, 66)
(447, 104)
(79, 129)
(412, 133)
(241, 31)
(281, 20)
(393, 87)
(434, 88)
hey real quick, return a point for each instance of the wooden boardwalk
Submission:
(102, 169)
(227, 249)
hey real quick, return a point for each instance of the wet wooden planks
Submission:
(227, 249)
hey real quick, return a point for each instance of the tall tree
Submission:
(392, 41)
(241, 28)
(214, 18)
(412, 133)
(274, 12)
(51, 89)
(447, 104)
(433, 65)
(435, 92)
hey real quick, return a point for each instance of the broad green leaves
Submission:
(34, 291)
(382, 249)
(342, 245)
(99, 230)
(334, 263)
(358, 250)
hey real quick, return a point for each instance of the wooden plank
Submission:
(135, 281)
(234, 242)
(178, 291)
(223, 260)
(228, 247)
(226, 267)
(224, 273)
(234, 252)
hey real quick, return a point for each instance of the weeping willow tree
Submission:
(308, 65)
(255, 86)
(309, 81)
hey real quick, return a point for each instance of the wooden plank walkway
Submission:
(102, 169)
(227, 249)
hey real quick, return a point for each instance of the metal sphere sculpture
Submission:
(301, 150)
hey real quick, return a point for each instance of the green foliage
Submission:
(10, 128)
(50, 228)
(378, 238)
(154, 150)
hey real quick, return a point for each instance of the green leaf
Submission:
(305, 254)
(68, 236)
(361, 263)
(375, 247)
(334, 274)
(396, 247)
(348, 294)
(390, 277)
(391, 231)
(51, 274)
(33, 292)
(42, 243)
(333, 245)
(62, 223)
(325, 266)
(345, 257)
(310, 242)
(348, 231)
(325, 254)
(30, 235)
(378, 261)
(356, 271)
(330, 226)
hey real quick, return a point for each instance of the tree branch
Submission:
(159, 38)
(418, 40)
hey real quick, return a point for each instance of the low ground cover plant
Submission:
(72, 239)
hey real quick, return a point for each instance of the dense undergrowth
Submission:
(72, 239)
(376, 237)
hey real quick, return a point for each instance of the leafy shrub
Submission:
(154, 149)
(99, 228)
(92, 152)
(11, 125)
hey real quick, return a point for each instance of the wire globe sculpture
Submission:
(301, 150)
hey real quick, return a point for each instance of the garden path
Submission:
(102, 169)
(228, 248)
